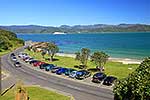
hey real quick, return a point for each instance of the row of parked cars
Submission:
(15, 61)
(72, 73)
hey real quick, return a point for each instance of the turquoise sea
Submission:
(118, 45)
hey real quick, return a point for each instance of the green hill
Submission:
(78, 28)
(9, 41)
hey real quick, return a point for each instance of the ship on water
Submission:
(55, 33)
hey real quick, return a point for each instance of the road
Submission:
(31, 77)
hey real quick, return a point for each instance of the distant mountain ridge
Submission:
(78, 28)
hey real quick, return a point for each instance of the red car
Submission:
(38, 63)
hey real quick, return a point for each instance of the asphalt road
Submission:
(29, 76)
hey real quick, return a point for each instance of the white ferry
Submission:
(59, 33)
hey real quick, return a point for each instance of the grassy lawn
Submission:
(111, 68)
(36, 93)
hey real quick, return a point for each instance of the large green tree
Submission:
(83, 56)
(136, 86)
(52, 49)
(99, 58)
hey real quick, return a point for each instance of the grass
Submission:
(111, 68)
(36, 93)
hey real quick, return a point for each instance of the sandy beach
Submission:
(122, 60)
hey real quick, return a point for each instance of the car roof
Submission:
(99, 73)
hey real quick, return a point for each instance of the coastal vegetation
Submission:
(136, 86)
(79, 28)
(83, 56)
(100, 59)
(52, 49)
(9, 41)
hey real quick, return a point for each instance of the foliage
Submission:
(52, 49)
(99, 58)
(136, 86)
(43, 53)
(83, 56)
(8, 40)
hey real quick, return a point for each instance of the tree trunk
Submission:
(51, 58)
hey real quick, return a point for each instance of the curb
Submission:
(6, 90)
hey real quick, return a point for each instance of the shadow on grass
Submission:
(54, 59)
(93, 69)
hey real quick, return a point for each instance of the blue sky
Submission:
(73, 12)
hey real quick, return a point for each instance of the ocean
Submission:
(117, 45)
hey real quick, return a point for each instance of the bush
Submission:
(136, 86)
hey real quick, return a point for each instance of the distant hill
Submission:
(9, 40)
(78, 28)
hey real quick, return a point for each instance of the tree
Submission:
(43, 52)
(99, 58)
(52, 49)
(83, 56)
(136, 86)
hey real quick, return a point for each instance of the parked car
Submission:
(38, 63)
(68, 71)
(49, 67)
(33, 61)
(98, 77)
(21, 55)
(72, 74)
(82, 74)
(53, 70)
(17, 64)
(25, 58)
(14, 58)
(12, 55)
(109, 80)
(61, 71)
(42, 66)
(28, 59)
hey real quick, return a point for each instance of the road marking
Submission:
(73, 87)
(42, 77)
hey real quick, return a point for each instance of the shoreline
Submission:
(122, 60)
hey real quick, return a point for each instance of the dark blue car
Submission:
(109, 80)
(82, 74)
(49, 67)
(98, 77)
(61, 71)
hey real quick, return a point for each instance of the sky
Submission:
(74, 12)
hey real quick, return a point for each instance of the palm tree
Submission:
(83, 56)
(100, 59)
(52, 49)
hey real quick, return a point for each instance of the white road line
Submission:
(73, 87)
(42, 77)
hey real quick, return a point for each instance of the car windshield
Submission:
(79, 73)
(99, 74)
(17, 63)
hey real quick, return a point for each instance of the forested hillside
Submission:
(9, 40)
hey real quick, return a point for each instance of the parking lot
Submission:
(87, 80)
